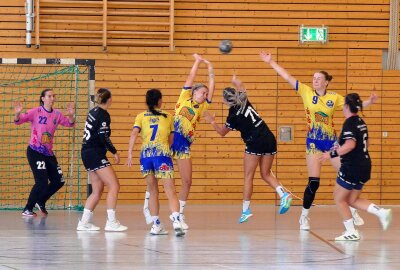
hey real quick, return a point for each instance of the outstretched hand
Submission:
(373, 98)
(18, 107)
(209, 117)
(266, 57)
(197, 57)
(70, 109)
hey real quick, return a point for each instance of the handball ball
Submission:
(225, 46)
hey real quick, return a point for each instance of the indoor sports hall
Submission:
(318, 165)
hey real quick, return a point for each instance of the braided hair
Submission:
(235, 98)
(152, 98)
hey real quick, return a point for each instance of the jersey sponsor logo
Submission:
(154, 120)
(104, 124)
(330, 104)
(164, 167)
(321, 117)
(46, 138)
(196, 106)
(187, 112)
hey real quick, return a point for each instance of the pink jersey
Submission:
(43, 126)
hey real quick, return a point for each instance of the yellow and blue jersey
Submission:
(155, 130)
(319, 113)
(188, 114)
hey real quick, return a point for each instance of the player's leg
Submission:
(185, 171)
(250, 163)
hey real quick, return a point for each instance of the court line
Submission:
(328, 243)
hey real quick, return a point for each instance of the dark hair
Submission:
(43, 94)
(354, 102)
(197, 86)
(326, 75)
(103, 94)
(235, 98)
(152, 98)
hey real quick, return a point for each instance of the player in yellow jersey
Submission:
(156, 128)
(193, 100)
(319, 105)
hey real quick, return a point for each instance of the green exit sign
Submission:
(313, 34)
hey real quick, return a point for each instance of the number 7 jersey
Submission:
(155, 131)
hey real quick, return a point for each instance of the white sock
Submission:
(353, 210)
(87, 215)
(111, 214)
(374, 209)
(280, 191)
(146, 199)
(349, 225)
(156, 220)
(182, 205)
(305, 212)
(246, 205)
(175, 215)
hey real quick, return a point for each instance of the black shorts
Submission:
(94, 159)
(43, 167)
(353, 177)
(262, 146)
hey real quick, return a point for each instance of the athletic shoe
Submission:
(286, 200)
(304, 223)
(176, 224)
(158, 230)
(348, 236)
(86, 226)
(28, 213)
(183, 222)
(115, 226)
(147, 215)
(385, 217)
(245, 216)
(357, 219)
(42, 208)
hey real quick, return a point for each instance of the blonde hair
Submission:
(235, 98)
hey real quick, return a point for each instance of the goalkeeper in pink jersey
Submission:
(44, 122)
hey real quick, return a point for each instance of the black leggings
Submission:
(44, 168)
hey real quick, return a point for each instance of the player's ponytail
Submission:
(153, 96)
(354, 102)
(103, 94)
(235, 98)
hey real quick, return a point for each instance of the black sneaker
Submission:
(42, 209)
(28, 213)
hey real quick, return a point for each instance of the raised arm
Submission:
(132, 140)
(372, 99)
(17, 110)
(267, 58)
(193, 71)
(221, 130)
(238, 84)
(211, 79)
(71, 113)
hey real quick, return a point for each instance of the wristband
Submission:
(334, 154)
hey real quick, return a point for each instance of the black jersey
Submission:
(248, 122)
(354, 128)
(97, 131)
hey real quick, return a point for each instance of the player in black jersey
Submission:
(96, 142)
(355, 170)
(260, 144)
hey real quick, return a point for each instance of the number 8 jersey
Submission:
(155, 130)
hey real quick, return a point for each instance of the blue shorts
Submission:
(161, 167)
(353, 177)
(318, 146)
(180, 146)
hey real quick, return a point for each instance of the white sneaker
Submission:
(147, 215)
(183, 222)
(357, 219)
(304, 223)
(176, 224)
(158, 230)
(86, 226)
(349, 236)
(385, 217)
(115, 226)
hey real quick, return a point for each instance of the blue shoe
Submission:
(286, 200)
(245, 216)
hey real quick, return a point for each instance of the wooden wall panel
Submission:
(358, 31)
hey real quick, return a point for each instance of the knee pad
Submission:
(313, 184)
